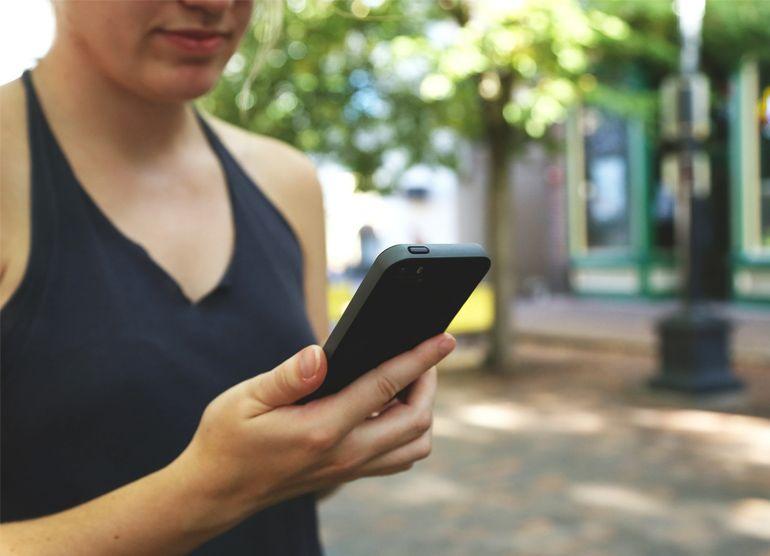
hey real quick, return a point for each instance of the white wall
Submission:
(394, 218)
(26, 33)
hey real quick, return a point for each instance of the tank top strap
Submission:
(46, 155)
(54, 185)
(45, 164)
(248, 194)
(230, 165)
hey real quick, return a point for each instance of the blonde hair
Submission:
(267, 21)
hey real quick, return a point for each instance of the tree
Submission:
(379, 85)
(374, 85)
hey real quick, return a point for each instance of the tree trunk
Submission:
(499, 143)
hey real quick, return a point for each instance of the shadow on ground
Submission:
(572, 455)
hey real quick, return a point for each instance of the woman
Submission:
(163, 290)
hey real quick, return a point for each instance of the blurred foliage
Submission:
(380, 85)
(732, 31)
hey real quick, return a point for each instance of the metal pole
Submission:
(694, 341)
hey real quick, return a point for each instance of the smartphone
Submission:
(410, 294)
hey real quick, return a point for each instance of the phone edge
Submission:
(384, 260)
(387, 258)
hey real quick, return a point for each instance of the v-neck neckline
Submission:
(225, 278)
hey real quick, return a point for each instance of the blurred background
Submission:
(610, 393)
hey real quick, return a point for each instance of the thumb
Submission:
(292, 380)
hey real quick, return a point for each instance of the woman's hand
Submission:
(253, 448)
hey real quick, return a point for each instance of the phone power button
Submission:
(418, 249)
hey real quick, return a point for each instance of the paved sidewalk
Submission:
(631, 324)
(572, 455)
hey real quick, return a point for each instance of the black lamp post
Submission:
(694, 341)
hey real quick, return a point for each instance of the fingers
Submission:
(287, 383)
(377, 387)
(399, 459)
(392, 403)
(423, 390)
(416, 391)
(402, 423)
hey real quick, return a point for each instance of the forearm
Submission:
(158, 514)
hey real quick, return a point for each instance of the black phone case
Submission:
(405, 298)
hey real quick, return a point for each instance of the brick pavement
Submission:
(572, 455)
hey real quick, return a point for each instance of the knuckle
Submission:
(423, 421)
(255, 387)
(282, 384)
(214, 410)
(386, 386)
(424, 448)
(320, 439)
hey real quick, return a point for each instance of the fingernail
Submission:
(308, 362)
(446, 345)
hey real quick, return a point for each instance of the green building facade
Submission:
(621, 210)
(750, 180)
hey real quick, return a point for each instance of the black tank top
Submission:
(107, 366)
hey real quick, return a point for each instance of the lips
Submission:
(194, 41)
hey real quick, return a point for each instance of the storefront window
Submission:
(607, 180)
(764, 154)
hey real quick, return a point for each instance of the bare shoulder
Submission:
(13, 133)
(278, 168)
(14, 188)
(284, 174)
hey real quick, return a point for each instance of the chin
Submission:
(185, 82)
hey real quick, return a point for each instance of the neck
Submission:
(136, 126)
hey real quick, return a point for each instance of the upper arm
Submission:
(289, 180)
(305, 212)
(14, 190)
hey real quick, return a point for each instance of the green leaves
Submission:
(356, 80)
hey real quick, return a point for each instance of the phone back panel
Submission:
(405, 299)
